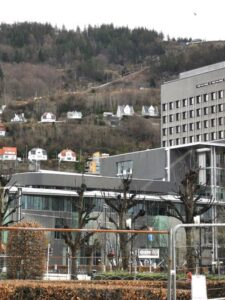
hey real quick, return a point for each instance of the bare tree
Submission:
(189, 194)
(77, 240)
(122, 205)
(8, 206)
(7, 203)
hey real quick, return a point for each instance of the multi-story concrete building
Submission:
(49, 197)
(195, 102)
(193, 106)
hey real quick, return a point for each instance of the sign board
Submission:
(198, 287)
(148, 253)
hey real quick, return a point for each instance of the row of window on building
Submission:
(55, 203)
(212, 123)
(194, 138)
(193, 100)
(193, 113)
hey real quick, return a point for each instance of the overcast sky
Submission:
(177, 18)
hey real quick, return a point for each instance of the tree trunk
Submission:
(124, 251)
(90, 253)
(189, 252)
(2, 250)
(73, 263)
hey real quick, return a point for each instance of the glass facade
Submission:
(56, 203)
(220, 174)
(45, 202)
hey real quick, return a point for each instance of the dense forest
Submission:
(38, 59)
(44, 68)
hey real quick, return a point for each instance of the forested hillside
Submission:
(44, 68)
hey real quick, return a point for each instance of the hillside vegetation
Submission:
(43, 68)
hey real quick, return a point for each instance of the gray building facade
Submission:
(169, 164)
(149, 164)
(192, 106)
(48, 197)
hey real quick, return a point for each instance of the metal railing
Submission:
(53, 266)
(172, 272)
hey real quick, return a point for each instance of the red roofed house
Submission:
(2, 129)
(8, 153)
(67, 155)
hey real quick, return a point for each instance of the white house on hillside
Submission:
(48, 117)
(2, 108)
(107, 114)
(150, 111)
(124, 110)
(74, 115)
(37, 154)
(19, 118)
(67, 155)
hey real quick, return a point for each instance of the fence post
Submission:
(169, 265)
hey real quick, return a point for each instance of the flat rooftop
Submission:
(202, 70)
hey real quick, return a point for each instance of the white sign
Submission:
(198, 287)
(148, 253)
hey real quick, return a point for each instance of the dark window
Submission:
(198, 99)
(171, 118)
(206, 97)
(59, 223)
(184, 140)
(58, 204)
(206, 110)
(184, 127)
(198, 137)
(191, 113)
(213, 109)
(184, 102)
(171, 105)
(206, 124)
(220, 94)
(213, 122)
(171, 130)
(220, 120)
(213, 96)
(198, 112)
(177, 129)
(191, 126)
(177, 103)
(206, 137)
(220, 107)
(191, 100)
(221, 134)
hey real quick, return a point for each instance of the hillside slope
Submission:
(45, 69)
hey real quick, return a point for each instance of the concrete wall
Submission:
(148, 164)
